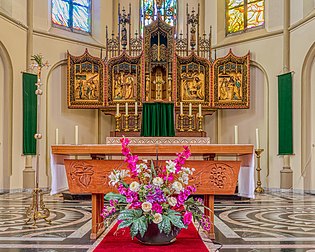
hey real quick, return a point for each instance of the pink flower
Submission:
(187, 218)
(157, 208)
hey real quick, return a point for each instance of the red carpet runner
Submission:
(188, 240)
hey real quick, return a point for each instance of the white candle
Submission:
(57, 136)
(235, 134)
(257, 139)
(181, 108)
(126, 108)
(117, 109)
(190, 109)
(200, 110)
(136, 108)
(76, 134)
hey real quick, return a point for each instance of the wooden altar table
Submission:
(212, 177)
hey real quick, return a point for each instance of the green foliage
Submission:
(175, 218)
(165, 225)
(135, 219)
(115, 196)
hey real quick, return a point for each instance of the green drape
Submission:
(285, 114)
(29, 113)
(158, 119)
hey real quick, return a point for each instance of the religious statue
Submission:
(158, 82)
(129, 88)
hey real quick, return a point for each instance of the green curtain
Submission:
(158, 119)
(285, 114)
(29, 113)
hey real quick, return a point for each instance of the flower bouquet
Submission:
(157, 198)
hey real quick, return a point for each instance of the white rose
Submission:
(146, 206)
(172, 201)
(157, 218)
(157, 181)
(170, 166)
(177, 186)
(134, 186)
(113, 178)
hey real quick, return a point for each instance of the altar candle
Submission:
(117, 109)
(136, 108)
(200, 109)
(57, 136)
(235, 134)
(190, 109)
(257, 139)
(126, 108)
(181, 108)
(76, 134)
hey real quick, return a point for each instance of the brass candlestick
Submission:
(117, 118)
(181, 122)
(136, 122)
(127, 122)
(37, 209)
(200, 123)
(258, 189)
(190, 117)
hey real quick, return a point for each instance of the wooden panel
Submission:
(210, 177)
(221, 149)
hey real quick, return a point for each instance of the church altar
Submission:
(91, 176)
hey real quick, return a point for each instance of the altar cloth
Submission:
(188, 240)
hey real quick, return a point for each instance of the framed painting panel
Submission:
(230, 87)
(85, 84)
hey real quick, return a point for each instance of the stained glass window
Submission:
(72, 14)
(149, 11)
(244, 14)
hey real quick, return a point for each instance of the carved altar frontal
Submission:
(161, 140)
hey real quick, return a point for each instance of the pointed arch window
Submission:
(74, 15)
(148, 12)
(242, 15)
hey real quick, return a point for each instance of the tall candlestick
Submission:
(76, 134)
(126, 108)
(200, 114)
(181, 108)
(190, 109)
(136, 108)
(257, 139)
(117, 109)
(57, 136)
(235, 134)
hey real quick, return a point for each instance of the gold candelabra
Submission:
(136, 122)
(190, 117)
(200, 117)
(37, 209)
(181, 122)
(127, 122)
(258, 189)
(117, 119)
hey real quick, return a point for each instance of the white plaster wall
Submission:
(1, 123)
(310, 174)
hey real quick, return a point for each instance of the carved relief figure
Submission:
(129, 87)
(86, 85)
(159, 83)
(192, 85)
(123, 86)
(230, 87)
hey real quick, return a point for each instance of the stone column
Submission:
(286, 174)
(29, 172)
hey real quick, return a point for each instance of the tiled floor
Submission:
(271, 222)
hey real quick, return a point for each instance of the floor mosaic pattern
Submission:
(272, 222)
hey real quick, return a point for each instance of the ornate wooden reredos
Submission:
(158, 66)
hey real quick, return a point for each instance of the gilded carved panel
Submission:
(85, 87)
(193, 80)
(231, 83)
(124, 79)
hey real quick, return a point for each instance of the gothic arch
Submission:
(306, 117)
(266, 102)
(7, 116)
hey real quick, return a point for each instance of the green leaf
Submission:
(115, 196)
(176, 219)
(139, 225)
(125, 223)
(165, 225)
